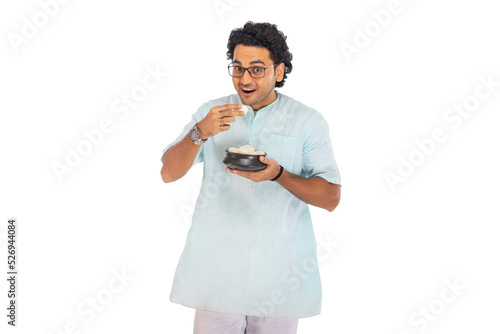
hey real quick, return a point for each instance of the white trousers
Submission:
(221, 323)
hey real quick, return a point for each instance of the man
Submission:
(249, 264)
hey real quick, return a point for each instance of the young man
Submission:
(249, 264)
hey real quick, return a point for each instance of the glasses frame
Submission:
(248, 69)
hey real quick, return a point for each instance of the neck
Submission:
(270, 98)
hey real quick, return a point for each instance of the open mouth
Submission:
(247, 91)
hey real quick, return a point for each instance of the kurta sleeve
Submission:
(195, 118)
(317, 153)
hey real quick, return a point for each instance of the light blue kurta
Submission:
(251, 248)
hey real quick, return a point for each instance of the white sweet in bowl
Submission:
(246, 149)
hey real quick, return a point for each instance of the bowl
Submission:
(244, 162)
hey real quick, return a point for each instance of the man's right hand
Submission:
(217, 118)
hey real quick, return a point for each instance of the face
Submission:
(256, 92)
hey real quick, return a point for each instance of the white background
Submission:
(388, 253)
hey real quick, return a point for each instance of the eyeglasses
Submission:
(254, 71)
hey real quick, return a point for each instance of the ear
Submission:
(280, 72)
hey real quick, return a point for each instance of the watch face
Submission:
(193, 135)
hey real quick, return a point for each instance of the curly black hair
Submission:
(266, 35)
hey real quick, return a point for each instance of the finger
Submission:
(238, 172)
(224, 127)
(227, 107)
(232, 112)
(235, 110)
(227, 119)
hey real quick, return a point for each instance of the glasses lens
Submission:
(257, 72)
(236, 71)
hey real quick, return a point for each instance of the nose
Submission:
(246, 78)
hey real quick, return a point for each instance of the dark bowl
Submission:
(245, 162)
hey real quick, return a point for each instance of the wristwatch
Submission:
(194, 135)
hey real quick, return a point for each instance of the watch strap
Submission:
(279, 174)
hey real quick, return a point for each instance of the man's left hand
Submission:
(269, 173)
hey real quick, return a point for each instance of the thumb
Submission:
(263, 158)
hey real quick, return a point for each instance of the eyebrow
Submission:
(251, 63)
